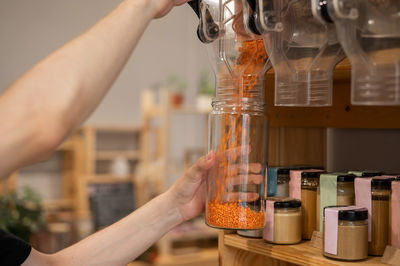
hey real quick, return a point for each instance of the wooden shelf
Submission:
(117, 128)
(107, 178)
(301, 254)
(111, 155)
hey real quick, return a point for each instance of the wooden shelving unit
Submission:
(157, 171)
(238, 250)
(297, 136)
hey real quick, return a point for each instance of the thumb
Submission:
(198, 170)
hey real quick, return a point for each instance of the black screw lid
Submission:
(371, 173)
(346, 178)
(311, 174)
(353, 214)
(283, 171)
(357, 214)
(287, 203)
(382, 183)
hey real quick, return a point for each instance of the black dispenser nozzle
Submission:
(208, 30)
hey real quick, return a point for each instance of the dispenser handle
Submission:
(208, 30)
(194, 4)
(250, 18)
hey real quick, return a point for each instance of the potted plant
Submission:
(178, 87)
(21, 214)
(206, 92)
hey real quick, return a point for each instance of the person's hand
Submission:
(162, 7)
(189, 192)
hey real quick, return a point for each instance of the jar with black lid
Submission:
(351, 233)
(344, 191)
(282, 188)
(309, 185)
(367, 173)
(380, 198)
(284, 223)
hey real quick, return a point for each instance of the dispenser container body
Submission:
(303, 51)
(369, 31)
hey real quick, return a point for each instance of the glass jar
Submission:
(286, 217)
(395, 214)
(235, 187)
(344, 191)
(282, 187)
(352, 234)
(309, 185)
(380, 197)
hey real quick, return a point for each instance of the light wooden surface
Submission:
(207, 257)
(245, 250)
(9, 184)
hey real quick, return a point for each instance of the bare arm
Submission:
(53, 98)
(123, 241)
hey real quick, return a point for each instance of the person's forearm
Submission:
(54, 97)
(122, 242)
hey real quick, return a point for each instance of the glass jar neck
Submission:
(353, 223)
(248, 87)
(309, 182)
(286, 210)
(247, 105)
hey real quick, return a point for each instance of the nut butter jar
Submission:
(283, 225)
(346, 234)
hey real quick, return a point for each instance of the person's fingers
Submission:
(180, 2)
(243, 168)
(246, 179)
(201, 166)
(235, 152)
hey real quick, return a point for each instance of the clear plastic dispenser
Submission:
(238, 122)
(303, 50)
(369, 31)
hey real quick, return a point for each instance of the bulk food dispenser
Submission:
(303, 50)
(238, 123)
(369, 31)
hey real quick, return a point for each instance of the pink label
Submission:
(362, 187)
(269, 221)
(331, 228)
(396, 214)
(295, 182)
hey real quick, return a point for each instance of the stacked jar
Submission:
(278, 181)
(395, 214)
(283, 221)
(303, 186)
(374, 194)
(346, 234)
(335, 189)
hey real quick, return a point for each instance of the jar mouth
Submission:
(242, 103)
